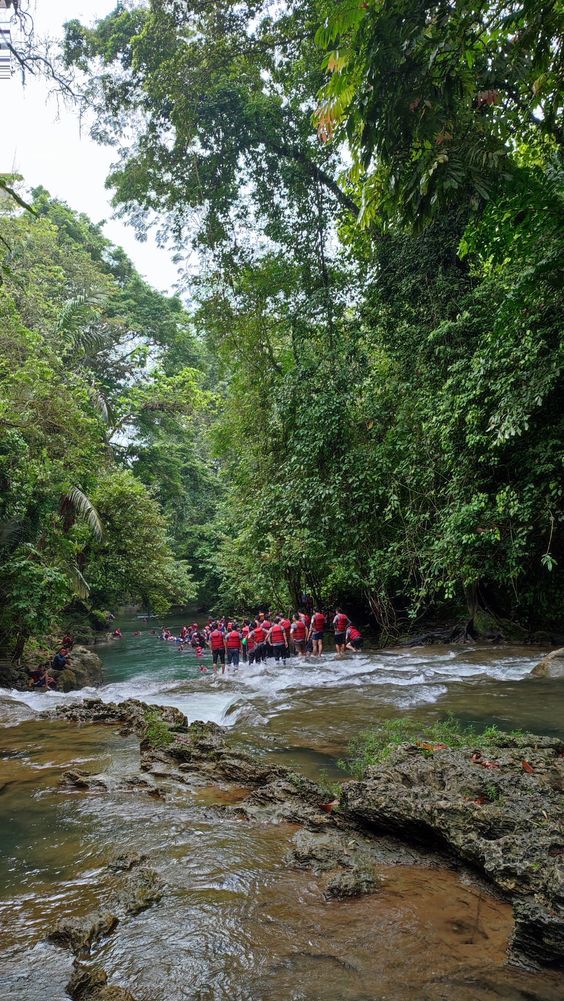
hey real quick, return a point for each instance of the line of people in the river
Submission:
(266, 636)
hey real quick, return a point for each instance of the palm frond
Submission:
(75, 502)
(73, 309)
(79, 584)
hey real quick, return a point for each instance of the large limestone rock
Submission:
(501, 812)
(84, 670)
(551, 666)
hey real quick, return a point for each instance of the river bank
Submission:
(236, 919)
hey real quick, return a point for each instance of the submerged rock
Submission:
(498, 811)
(90, 983)
(352, 883)
(80, 934)
(551, 666)
(126, 861)
(141, 889)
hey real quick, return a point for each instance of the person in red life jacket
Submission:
(266, 624)
(233, 642)
(341, 622)
(276, 636)
(117, 633)
(316, 630)
(354, 638)
(298, 633)
(183, 632)
(245, 638)
(251, 646)
(217, 644)
(286, 626)
(260, 646)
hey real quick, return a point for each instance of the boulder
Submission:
(84, 670)
(90, 983)
(80, 934)
(551, 666)
(499, 811)
(131, 714)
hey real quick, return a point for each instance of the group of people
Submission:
(268, 635)
(45, 676)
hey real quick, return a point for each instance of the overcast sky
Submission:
(44, 143)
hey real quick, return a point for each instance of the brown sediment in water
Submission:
(234, 920)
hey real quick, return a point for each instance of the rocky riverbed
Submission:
(495, 812)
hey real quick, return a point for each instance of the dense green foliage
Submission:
(83, 385)
(368, 409)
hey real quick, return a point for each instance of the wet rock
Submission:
(351, 883)
(141, 890)
(77, 778)
(498, 811)
(131, 713)
(90, 983)
(84, 670)
(289, 798)
(551, 666)
(80, 934)
(320, 852)
(126, 861)
(539, 934)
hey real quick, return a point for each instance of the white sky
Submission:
(44, 143)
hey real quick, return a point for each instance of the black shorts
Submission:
(340, 639)
(218, 655)
(357, 644)
(260, 652)
(317, 636)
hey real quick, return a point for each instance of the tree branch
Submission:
(317, 173)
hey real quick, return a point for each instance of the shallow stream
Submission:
(235, 922)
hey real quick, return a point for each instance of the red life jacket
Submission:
(260, 634)
(251, 641)
(305, 619)
(299, 631)
(245, 630)
(354, 634)
(340, 622)
(277, 635)
(233, 640)
(285, 623)
(266, 624)
(216, 639)
(318, 622)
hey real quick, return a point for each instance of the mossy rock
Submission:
(67, 680)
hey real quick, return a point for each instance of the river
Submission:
(235, 922)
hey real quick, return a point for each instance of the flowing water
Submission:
(235, 922)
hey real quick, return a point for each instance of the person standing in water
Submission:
(341, 622)
(316, 630)
(233, 646)
(260, 646)
(298, 632)
(276, 637)
(217, 644)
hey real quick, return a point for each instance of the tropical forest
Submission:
(282, 543)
